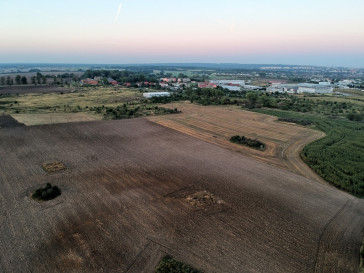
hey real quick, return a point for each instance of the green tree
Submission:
(252, 98)
(24, 80)
(44, 80)
(8, 80)
(34, 80)
(2, 81)
(265, 100)
(18, 79)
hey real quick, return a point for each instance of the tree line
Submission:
(39, 78)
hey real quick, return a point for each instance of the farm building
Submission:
(156, 94)
(112, 81)
(206, 85)
(89, 82)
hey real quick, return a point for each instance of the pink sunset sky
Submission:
(309, 32)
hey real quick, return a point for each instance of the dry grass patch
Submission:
(216, 124)
(203, 198)
(53, 167)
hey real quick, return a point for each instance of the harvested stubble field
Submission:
(217, 124)
(125, 205)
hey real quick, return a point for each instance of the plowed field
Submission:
(216, 124)
(126, 203)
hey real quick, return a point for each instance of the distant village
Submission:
(175, 84)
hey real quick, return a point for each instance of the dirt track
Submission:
(123, 205)
(216, 124)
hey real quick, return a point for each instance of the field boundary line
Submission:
(324, 231)
(179, 190)
(137, 257)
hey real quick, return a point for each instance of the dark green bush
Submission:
(253, 143)
(49, 192)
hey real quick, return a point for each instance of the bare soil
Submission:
(123, 205)
(7, 121)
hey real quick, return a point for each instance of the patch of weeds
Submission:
(202, 198)
(170, 265)
(53, 167)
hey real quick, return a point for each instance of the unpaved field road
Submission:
(124, 205)
(216, 124)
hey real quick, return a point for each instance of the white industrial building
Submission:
(156, 94)
(227, 82)
(231, 87)
(301, 88)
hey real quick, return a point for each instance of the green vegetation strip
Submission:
(170, 265)
(338, 157)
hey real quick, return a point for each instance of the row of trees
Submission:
(123, 76)
(22, 80)
(351, 111)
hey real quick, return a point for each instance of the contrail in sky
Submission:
(231, 26)
(117, 13)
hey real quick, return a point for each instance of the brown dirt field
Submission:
(123, 205)
(27, 89)
(51, 118)
(216, 124)
(7, 121)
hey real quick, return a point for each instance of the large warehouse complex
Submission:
(301, 88)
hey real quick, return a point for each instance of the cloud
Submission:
(117, 13)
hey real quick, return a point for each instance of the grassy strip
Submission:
(170, 265)
(338, 157)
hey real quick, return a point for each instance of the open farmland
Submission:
(216, 124)
(126, 203)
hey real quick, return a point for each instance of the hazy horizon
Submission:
(319, 33)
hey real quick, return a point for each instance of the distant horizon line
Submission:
(178, 64)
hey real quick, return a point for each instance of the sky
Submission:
(310, 32)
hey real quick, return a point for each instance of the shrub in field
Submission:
(170, 265)
(303, 122)
(253, 143)
(49, 192)
(354, 117)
